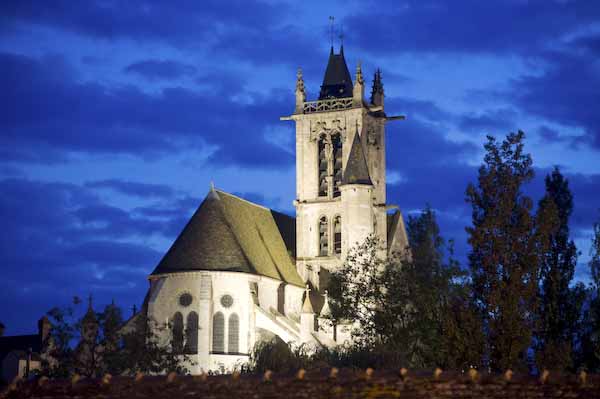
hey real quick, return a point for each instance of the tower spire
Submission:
(300, 91)
(377, 89)
(358, 92)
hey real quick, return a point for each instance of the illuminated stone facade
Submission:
(240, 273)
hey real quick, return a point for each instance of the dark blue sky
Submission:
(115, 116)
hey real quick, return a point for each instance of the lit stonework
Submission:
(240, 273)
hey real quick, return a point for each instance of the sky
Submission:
(116, 116)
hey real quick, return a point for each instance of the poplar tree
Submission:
(590, 334)
(560, 304)
(506, 242)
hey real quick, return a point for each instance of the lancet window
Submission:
(337, 235)
(233, 334)
(337, 164)
(330, 165)
(323, 237)
(177, 326)
(218, 333)
(191, 333)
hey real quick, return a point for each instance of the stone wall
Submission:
(324, 383)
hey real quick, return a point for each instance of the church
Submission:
(240, 273)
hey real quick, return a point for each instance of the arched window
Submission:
(218, 333)
(337, 235)
(336, 141)
(323, 165)
(177, 326)
(234, 334)
(323, 237)
(191, 333)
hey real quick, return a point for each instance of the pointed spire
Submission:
(337, 82)
(300, 91)
(212, 192)
(359, 76)
(90, 315)
(307, 307)
(377, 89)
(357, 171)
(325, 310)
(358, 91)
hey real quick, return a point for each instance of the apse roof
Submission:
(227, 233)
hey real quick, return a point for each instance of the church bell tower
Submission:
(340, 170)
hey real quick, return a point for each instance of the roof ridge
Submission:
(243, 199)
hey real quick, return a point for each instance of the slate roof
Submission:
(19, 342)
(356, 171)
(228, 233)
(337, 82)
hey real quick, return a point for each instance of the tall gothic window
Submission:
(323, 237)
(337, 164)
(330, 164)
(218, 333)
(323, 164)
(234, 334)
(177, 326)
(191, 333)
(337, 235)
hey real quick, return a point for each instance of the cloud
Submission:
(490, 121)
(50, 109)
(468, 26)
(565, 93)
(58, 238)
(160, 69)
(135, 189)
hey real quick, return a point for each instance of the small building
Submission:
(21, 354)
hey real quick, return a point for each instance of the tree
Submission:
(590, 334)
(145, 348)
(506, 242)
(105, 346)
(560, 304)
(401, 303)
(58, 361)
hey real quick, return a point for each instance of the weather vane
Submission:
(331, 25)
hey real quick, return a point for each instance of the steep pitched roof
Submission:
(228, 233)
(356, 171)
(337, 82)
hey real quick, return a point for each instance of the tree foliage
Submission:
(108, 347)
(410, 303)
(560, 304)
(507, 241)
